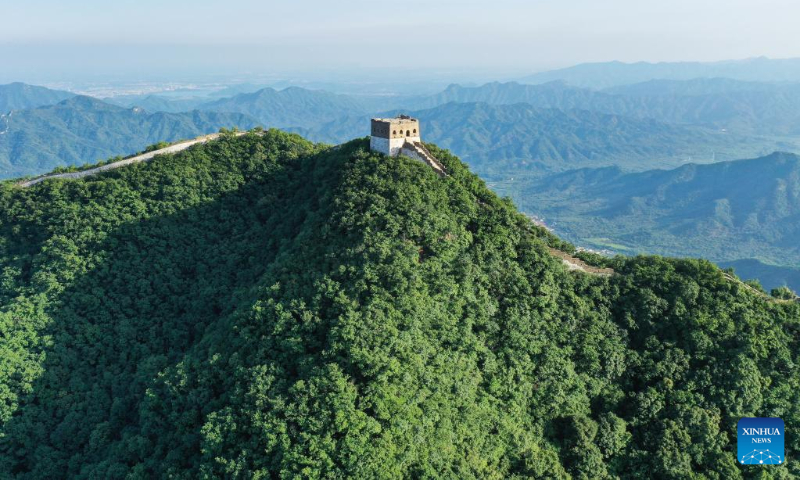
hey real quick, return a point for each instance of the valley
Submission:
(726, 211)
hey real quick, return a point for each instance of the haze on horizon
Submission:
(49, 40)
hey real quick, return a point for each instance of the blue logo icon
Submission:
(760, 441)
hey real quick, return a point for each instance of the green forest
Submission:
(265, 307)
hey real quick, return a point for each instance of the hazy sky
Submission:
(63, 39)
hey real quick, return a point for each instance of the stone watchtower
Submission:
(401, 136)
(390, 134)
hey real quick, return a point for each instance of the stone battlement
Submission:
(401, 136)
(394, 128)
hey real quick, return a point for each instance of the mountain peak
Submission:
(276, 307)
(18, 96)
(82, 129)
(86, 101)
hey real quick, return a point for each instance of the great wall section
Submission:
(127, 161)
(418, 151)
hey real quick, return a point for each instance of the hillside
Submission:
(290, 107)
(770, 276)
(264, 307)
(503, 140)
(17, 96)
(728, 211)
(84, 130)
(610, 74)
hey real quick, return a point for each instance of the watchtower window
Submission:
(415, 130)
(394, 132)
(408, 133)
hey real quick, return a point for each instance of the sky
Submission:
(91, 39)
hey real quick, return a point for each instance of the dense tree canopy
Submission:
(263, 307)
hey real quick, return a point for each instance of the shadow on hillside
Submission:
(164, 284)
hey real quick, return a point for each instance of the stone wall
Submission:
(418, 152)
(128, 161)
(387, 146)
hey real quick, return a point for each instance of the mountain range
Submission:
(290, 107)
(744, 107)
(83, 130)
(747, 108)
(505, 139)
(17, 96)
(609, 74)
(726, 211)
(157, 103)
(512, 134)
(524, 128)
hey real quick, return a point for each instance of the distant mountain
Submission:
(291, 107)
(738, 106)
(609, 74)
(237, 89)
(83, 130)
(550, 95)
(499, 139)
(157, 103)
(697, 86)
(748, 108)
(16, 96)
(287, 107)
(728, 211)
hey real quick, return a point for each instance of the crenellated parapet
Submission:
(401, 136)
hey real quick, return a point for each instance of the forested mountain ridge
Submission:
(727, 211)
(508, 139)
(511, 128)
(264, 307)
(83, 130)
(743, 107)
(290, 107)
(18, 96)
(157, 103)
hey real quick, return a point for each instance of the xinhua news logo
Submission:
(760, 441)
